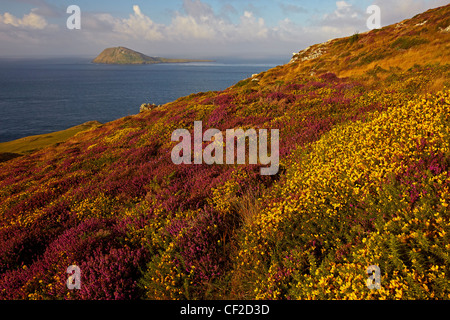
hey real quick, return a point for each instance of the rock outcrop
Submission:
(148, 107)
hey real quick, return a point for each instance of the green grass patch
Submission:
(405, 43)
(33, 143)
(354, 38)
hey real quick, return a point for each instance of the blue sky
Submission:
(189, 28)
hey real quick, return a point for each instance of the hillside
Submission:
(364, 180)
(402, 45)
(121, 55)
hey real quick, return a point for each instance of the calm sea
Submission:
(43, 96)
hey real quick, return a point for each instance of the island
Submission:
(122, 55)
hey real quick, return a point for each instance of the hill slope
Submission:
(33, 143)
(422, 38)
(121, 55)
(364, 180)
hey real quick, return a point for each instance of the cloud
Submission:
(252, 27)
(186, 28)
(345, 17)
(288, 9)
(28, 21)
(196, 22)
(198, 10)
(137, 26)
(228, 10)
(43, 8)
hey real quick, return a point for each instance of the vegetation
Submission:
(121, 55)
(364, 180)
(354, 38)
(33, 143)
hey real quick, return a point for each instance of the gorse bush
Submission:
(371, 193)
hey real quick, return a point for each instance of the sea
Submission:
(47, 95)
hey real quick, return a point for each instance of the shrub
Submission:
(354, 38)
(405, 43)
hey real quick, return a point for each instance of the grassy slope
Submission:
(395, 47)
(364, 180)
(33, 143)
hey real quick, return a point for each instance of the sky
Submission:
(251, 29)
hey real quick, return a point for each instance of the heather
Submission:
(364, 180)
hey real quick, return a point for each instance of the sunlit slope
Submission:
(422, 39)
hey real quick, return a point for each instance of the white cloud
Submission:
(185, 28)
(137, 26)
(197, 22)
(200, 22)
(252, 27)
(31, 20)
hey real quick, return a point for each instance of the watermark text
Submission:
(234, 144)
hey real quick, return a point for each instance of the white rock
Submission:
(446, 29)
(422, 23)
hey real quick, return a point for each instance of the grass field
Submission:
(33, 143)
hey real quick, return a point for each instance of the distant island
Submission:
(122, 55)
(17, 148)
